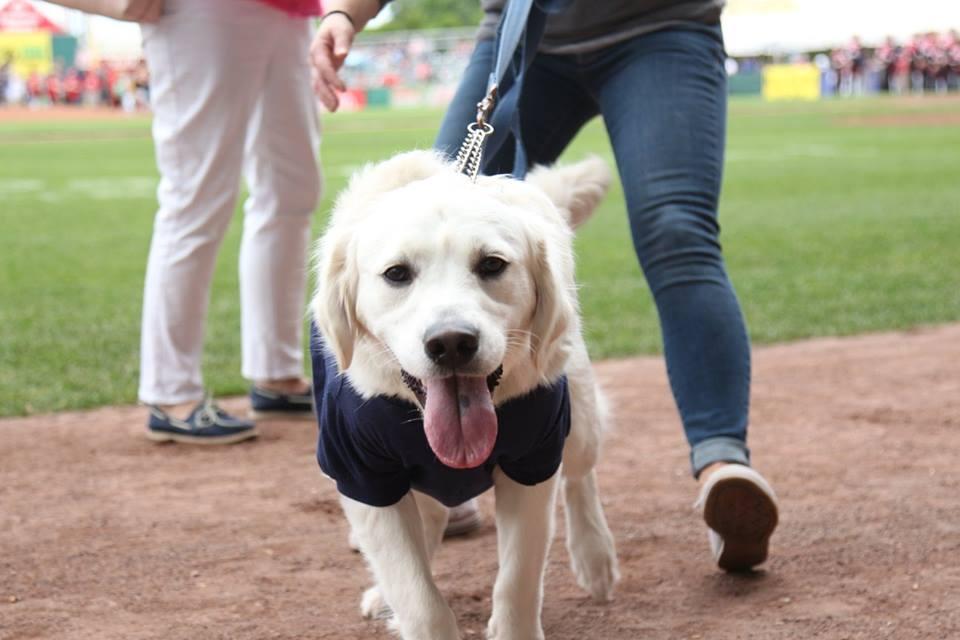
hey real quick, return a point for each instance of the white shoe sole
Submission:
(159, 436)
(464, 519)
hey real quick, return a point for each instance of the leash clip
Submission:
(471, 151)
(485, 106)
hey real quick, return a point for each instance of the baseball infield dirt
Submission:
(105, 535)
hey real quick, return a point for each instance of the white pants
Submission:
(231, 94)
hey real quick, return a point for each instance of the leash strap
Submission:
(498, 114)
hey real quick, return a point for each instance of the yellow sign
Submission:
(791, 82)
(31, 51)
(755, 7)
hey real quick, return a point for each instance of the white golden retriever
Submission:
(455, 300)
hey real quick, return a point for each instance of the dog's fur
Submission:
(415, 210)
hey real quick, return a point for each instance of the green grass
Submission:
(831, 226)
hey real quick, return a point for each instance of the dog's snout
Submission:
(451, 345)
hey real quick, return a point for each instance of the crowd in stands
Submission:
(397, 61)
(926, 63)
(124, 86)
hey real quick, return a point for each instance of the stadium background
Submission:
(781, 48)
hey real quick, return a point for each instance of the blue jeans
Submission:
(663, 100)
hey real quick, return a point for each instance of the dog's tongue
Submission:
(460, 420)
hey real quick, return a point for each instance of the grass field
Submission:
(838, 218)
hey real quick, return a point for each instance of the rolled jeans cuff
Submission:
(720, 449)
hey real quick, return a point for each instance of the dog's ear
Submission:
(574, 189)
(334, 303)
(555, 314)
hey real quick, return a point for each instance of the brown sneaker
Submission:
(740, 509)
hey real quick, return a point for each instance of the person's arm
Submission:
(343, 19)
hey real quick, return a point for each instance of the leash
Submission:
(498, 114)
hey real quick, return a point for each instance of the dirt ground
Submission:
(105, 535)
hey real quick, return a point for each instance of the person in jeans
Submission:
(231, 97)
(654, 71)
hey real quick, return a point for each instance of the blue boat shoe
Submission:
(272, 404)
(206, 424)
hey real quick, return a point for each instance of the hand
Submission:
(327, 53)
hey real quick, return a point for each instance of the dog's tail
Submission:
(575, 189)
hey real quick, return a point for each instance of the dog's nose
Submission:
(451, 346)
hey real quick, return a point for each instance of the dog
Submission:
(448, 358)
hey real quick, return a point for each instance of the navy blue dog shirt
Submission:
(376, 450)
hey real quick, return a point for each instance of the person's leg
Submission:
(663, 98)
(283, 177)
(200, 117)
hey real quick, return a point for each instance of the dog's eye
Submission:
(398, 274)
(491, 266)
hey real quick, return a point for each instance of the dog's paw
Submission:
(594, 563)
(373, 606)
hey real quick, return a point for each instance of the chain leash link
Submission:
(470, 155)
